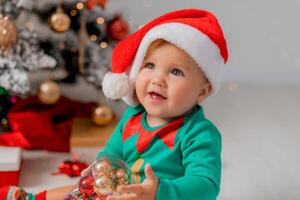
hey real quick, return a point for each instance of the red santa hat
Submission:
(197, 32)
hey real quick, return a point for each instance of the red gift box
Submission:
(10, 161)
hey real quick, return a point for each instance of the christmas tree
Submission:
(44, 44)
(70, 36)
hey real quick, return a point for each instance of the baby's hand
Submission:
(143, 191)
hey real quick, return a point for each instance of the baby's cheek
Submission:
(141, 83)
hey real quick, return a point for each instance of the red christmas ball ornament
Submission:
(86, 185)
(13, 99)
(90, 4)
(117, 29)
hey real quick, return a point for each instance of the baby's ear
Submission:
(205, 92)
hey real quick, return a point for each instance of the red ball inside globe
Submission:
(86, 185)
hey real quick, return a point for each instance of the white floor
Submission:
(260, 125)
(38, 166)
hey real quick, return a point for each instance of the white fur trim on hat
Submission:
(115, 85)
(195, 43)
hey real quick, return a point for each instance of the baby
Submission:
(164, 72)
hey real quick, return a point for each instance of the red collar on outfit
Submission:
(167, 133)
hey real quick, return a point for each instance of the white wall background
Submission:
(262, 35)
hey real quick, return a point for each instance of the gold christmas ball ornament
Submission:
(59, 21)
(49, 92)
(8, 34)
(102, 115)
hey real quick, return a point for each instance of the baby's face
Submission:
(169, 82)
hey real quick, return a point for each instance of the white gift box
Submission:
(10, 162)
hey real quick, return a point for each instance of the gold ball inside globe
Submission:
(49, 92)
(102, 115)
(8, 34)
(122, 177)
(103, 185)
(101, 167)
(59, 21)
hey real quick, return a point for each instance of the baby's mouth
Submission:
(156, 96)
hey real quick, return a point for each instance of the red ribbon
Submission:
(71, 168)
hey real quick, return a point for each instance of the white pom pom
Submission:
(115, 85)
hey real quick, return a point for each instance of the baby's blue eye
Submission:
(149, 65)
(177, 72)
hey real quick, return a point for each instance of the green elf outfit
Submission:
(185, 154)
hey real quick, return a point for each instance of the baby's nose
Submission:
(158, 81)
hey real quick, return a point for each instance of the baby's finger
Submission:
(135, 188)
(130, 196)
(83, 172)
(149, 173)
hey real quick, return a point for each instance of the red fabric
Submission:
(38, 126)
(204, 21)
(166, 133)
(40, 196)
(9, 178)
(3, 192)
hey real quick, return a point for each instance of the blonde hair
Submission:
(154, 45)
